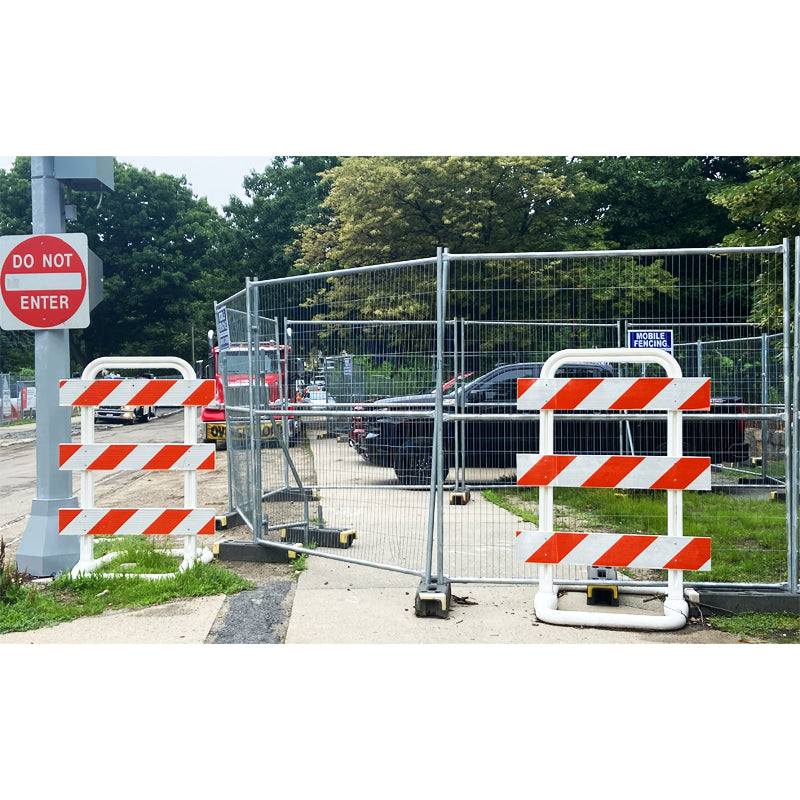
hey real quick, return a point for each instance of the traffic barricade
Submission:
(673, 473)
(88, 457)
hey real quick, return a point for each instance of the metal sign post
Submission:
(47, 287)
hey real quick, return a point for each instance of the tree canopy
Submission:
(381, 209)
(663, 202)
(161, 250)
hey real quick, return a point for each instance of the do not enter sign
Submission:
(43, 281)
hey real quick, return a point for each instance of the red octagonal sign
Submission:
(43, 281)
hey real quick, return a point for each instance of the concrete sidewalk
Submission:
(339, 603)
(179, 622)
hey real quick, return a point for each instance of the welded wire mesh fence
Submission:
(387, 371)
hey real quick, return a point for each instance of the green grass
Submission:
(779, 628)
(748, 536)
(25, 607)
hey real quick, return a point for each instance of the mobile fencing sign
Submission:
(44, 283)
(651, 340)
(223, 332)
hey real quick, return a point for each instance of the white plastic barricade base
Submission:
(545, 604)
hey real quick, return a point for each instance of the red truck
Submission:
(232, 371)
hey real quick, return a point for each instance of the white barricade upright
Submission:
(88, 457)
(673, 472)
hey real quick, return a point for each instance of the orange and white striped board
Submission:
(614, 550)
(623, 472)
(614, 394)
(120, 457)
(136, 392)
(136, 521)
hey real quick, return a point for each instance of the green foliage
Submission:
(11, 579)
(777, 628)
(16, 347)
(663, 202)
(160, 247)
(15, 199)
(382, 209)
(767, 209)
(765, 205)
(282, 199)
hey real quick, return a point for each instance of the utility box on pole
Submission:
(85, 173)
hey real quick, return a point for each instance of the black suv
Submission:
(405, 443)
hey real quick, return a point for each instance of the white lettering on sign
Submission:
(19, 261)
(56, 260)
(43, 302)
(655, 339)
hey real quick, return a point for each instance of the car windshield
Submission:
(530, 371)
(237, 363)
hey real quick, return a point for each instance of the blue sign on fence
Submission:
(223, 334)
(654, 340)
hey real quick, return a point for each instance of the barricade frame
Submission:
(676, 608)
(87, 562)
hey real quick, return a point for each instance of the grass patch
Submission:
(778, 628)
(26, 607)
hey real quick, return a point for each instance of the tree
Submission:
(282, 199)
(386, 209)
(381, 209)
(766, 207)
(662, 202)
(16, 347)
(15, 199)
(164, 252)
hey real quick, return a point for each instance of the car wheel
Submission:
(413, 465)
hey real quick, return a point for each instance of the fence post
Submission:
(791, 399)
(433, 595)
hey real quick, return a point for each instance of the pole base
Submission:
(42, 552)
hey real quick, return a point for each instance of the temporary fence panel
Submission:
(401, 439)
(532, 305)
(315, 487)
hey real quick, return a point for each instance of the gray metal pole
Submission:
(42, 552)
(791, 387)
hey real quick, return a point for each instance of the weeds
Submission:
(11, 579)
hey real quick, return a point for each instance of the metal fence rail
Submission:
(395, 348)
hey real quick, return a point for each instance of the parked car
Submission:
(404, 443)
(130, 414)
